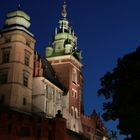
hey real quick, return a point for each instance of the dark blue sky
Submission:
(106, 30)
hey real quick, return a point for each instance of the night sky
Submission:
(106, 30)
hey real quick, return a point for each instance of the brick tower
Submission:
(16, 61)
(65, 58)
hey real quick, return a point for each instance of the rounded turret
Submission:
(18, 17)
(68, 48)
(49, 51)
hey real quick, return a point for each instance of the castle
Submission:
(34, 88)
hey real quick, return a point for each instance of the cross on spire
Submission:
(64, 10)
(19, 4)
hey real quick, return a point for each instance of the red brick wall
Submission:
(50, 129)
(89, 126)
(64, 73)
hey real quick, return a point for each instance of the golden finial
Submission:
(64, 11)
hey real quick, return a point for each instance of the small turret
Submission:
(49, 51)
(17, 19)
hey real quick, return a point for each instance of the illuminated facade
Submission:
(65, 58)
(32, 85)
(16, 61)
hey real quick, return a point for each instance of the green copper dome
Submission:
(65, 40)
(18, 13)
(18, 18)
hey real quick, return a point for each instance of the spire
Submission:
(64, 10)
(19, 5)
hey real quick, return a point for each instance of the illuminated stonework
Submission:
(38, 87)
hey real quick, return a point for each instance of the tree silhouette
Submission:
(121, 89)
(112, 135)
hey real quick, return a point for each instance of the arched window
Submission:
(76, 113)
(72, 111)
(74, 75)
(73, 93)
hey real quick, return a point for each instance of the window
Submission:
(10, 116)
(53, 94)
(46, 90)
(7, 39)
(74, 75)
(26, 75)
(39, 120)
(58, 97)
(72, 111)
(3, 78)
(20, 117)
(5, 55)
(2, 99)
(24, 101)
(25, 81)
(27, 59)
(24, 132)
(30, 119)
(50, 92)
(46, 107)
(76, 94)
(76, 113)
(9, 128)
(38, 132)
(72, 93)
(28, 43)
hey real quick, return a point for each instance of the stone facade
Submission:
(16, 67)
(49, 95)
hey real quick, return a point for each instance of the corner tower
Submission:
(65, 58)
(16, 61)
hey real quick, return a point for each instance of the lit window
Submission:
(5, 56)
(46, 107)
(72, 111)
(72, 93)
(50, 92)
(46, 91)
(76, 113)
(74, 76)
(53, 94)
(58, 97)
(76, 94)
(3, 78)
